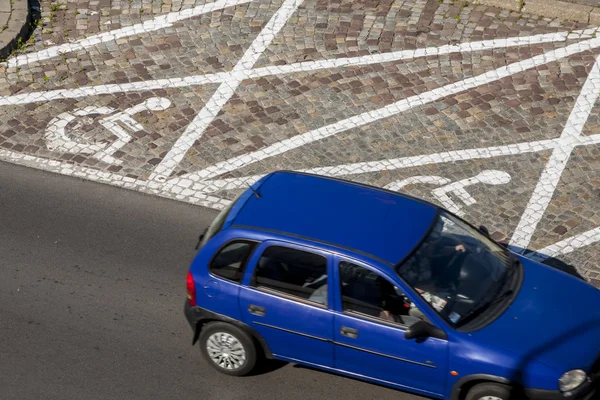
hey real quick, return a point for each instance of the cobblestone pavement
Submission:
(487, 112)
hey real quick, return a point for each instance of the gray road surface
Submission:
(92, 280)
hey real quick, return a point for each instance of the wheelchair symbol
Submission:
(57, 138)
(489, 177)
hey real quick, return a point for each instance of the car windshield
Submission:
(456, 268)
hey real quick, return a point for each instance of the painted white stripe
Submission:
(392, 109)
(215, 185)
(544, 190)
(160, 22)
(306, 66)
(161, 189)
(34, 97)
(436, 158)
(568, 245)
(206, 116)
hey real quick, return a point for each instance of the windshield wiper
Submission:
(496, 299)
(478, 310)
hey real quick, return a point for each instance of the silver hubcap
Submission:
(490, 398)
(225, 350)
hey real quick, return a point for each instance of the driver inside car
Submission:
(438, 270)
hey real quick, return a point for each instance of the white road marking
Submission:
(160, 22)
(429, 179)
(542, 194)
(179, 192)
(206, 116)
(568, 245)
(365, 118)
(305, 66)
(215, 185)
(488, 177)
(58, 139)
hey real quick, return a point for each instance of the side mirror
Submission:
(422, 329)
(484, 230)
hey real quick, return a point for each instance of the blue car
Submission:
(387, 288)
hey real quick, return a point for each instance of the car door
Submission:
(369, 343)
(286, 298)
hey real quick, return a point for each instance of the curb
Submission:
(549, 9)
(18, 26)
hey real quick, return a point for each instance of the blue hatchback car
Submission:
(384, 287)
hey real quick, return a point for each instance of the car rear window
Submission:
(217, 224)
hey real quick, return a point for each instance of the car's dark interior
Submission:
(290, 271)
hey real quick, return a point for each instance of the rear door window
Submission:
(293, 273)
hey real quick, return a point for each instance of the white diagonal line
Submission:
(437, 158)
(215, 185)
(205, 117)
(555, 166)
(305, 66)
(160, 22)
(235, 163)
(114, 179)
(42, 96)
(568, 245)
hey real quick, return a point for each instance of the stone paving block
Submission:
(4, 20)
(595, 16)
(558, 9)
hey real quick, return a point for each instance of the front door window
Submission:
(368, 294)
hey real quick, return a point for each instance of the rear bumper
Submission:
(192, 314)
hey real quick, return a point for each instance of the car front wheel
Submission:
(489, 391)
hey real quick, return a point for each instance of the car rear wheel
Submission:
(228, 349)
(489, 391)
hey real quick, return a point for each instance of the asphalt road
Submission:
(92, 285)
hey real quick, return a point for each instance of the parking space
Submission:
(487, 112)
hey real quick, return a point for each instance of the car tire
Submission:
(489, 391)
(228, 349)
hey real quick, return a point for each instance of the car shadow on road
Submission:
(362, 381)
(268, 366)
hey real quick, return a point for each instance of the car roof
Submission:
(383, 224)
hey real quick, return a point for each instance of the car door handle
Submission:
(349, 332)
(256, 310)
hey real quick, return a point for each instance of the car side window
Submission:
(293, 272)
(366, 293)
(230, 261)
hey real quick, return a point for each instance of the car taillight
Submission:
(191, 289)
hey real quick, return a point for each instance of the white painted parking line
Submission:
(160, 22)
(568, 245)
(114, 179)
(555, 166)
(206, 116)
(398, 107)
(305, 66)
(215, 185)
